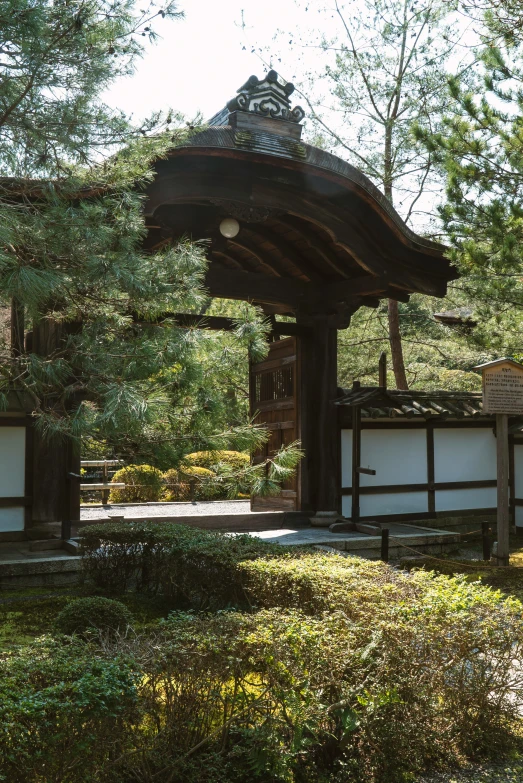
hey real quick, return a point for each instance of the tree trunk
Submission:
(396, 348)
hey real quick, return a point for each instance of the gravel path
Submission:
(146, 510)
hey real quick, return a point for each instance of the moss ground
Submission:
(26, 614)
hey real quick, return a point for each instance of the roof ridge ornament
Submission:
(268, 97)
(263, 106)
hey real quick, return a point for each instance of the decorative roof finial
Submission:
(266, 99)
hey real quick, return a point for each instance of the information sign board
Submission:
(503, 388)
(502, 395)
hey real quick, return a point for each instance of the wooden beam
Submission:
(313, 240)
(218, 323)
(263, 261)
(291, 253)
(230, 284)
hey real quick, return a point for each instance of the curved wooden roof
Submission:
(315, 233)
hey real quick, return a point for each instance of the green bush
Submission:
(315, 583)
(64, 712)
(227, 466)
(190, 483)
(191, 567)
(144, 484)
(213, 459)
(279, 695)
(97, 613)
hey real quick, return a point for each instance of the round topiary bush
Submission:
(97, 614)
(211, 459)
(189, 483)
(143, 484)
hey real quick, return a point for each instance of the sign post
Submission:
(502, 395)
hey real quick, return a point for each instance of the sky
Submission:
(199, 63)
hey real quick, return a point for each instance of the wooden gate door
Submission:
(273, 399)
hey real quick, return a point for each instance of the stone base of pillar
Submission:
(325, 518)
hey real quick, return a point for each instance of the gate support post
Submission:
(318, 379)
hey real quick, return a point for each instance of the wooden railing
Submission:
(104, 486)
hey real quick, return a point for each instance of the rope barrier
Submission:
(446, 562)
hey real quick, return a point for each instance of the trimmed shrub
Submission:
(279, 695)
(212, 459)
(175, 489)
(189, 566)
(100, 614)
(144, 484)
(64, 712)
(190, 483)
(315, 583)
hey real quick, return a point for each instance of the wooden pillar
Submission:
(55, 494)
(319, 474)
(356, 462)
(503, 482)
(17, 328)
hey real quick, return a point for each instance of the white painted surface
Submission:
(11, 519)
(394, 503)
(400, 457)
(346, 459)
(464, 454)
(518, 470)
(397, 456)
(462, 499)
(12, 462)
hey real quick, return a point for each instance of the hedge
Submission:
(189, 566)
(64, 711)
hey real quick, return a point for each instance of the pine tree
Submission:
(480, 149)
(94, 364)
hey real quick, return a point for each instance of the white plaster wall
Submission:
(464, 454)
(346, 459)
(462, 499)
(11, 519)
(12, 462)
(397, 456)
(518, 470)
(518, 481)
(392, 503)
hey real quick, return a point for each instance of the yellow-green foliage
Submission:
(143, 484)
(189, 483)
(316, 583)
(212, 459)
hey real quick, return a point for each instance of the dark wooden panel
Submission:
(13, 421)
(23, 500)
(272, 390)
(386, 489)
